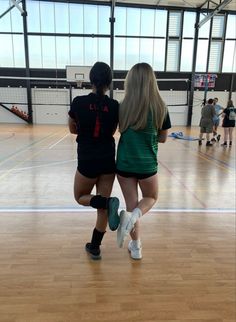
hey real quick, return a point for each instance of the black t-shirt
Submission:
(96, 119)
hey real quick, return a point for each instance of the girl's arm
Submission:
(72, 125)
(162, 136)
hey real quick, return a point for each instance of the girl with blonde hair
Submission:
(143, 122)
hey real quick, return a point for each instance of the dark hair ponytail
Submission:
(100, 76)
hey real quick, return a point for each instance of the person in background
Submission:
(229, 116)
(206, 122)
(143, 122)
(216, 120)
(94, 118)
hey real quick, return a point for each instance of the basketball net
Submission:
(79, 83)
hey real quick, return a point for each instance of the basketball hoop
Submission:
(79, 83)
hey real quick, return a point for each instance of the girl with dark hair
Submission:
(94, 118)
(229, 117)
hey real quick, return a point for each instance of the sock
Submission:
(97, 238)
(230, 142)
(137, 213)
(136, 243)
(98, 202)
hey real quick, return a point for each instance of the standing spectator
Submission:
(216, 120)
(206, 122)
(229, 114)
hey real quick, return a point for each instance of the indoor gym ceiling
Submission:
(178, 3)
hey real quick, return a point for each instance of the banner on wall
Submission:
(205, 80)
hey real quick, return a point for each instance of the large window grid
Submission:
(139, 39)
(164, 38)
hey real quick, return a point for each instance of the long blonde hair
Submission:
(141, 97)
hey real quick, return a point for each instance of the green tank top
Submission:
(137, 150)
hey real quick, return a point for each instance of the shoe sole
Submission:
(113, 217)
(94, 257)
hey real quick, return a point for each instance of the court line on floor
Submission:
(27, 147)
(80, 209)
(223, 165)
(8, 138)
(52, 146)
(184, 185)
(41, 165)
(7, 172)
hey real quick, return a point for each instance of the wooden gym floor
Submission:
(188, 268)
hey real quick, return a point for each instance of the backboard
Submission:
(77, 74)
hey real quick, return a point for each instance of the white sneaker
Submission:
(125, 227)
(135, 249)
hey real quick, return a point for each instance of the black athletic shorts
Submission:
(138, 176)
(94, 168)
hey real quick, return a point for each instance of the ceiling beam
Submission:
(213, 13)
(15, 3)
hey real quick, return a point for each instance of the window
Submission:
(62, 52)
(62, 17)
(204, 29)
(231, 27)
(5, 21)
(18, 51)
(186, 55)
(159, 54)
(35, 52)
(132, 53)
(229, 60)
(104, 50)
(133, 22)
(103, 20)
(47, 17)
(147, 22)
(174, 24)
(90, 51)
(202, 50)
(90, 19)
(146, 51)
(120, 23)
(119, 53)
(172, 55)
(215, 54)
(189, 24)
(6, 55)
(48, 52)
(16, 20)
(33, 17)
(160, 23)
(76, 18)
(77, 51)
(218, 27)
